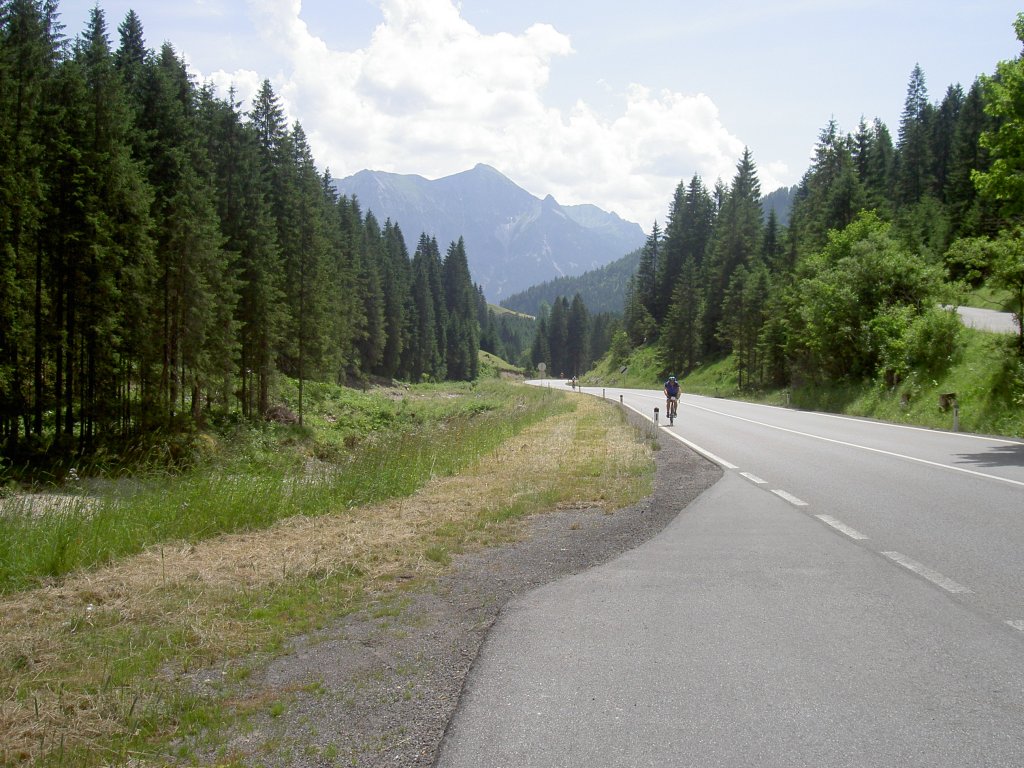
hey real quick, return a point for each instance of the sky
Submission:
(609, 102)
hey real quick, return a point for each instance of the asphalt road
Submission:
(988, 320)
(851, 593)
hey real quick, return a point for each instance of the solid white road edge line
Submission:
(863, 447)
(934, 577)
(841, 527)
(705, 453)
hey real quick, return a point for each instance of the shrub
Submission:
(933, 340)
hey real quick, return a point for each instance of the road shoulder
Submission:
(380, 687)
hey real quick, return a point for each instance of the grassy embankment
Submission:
(986, 386)
(111, 601)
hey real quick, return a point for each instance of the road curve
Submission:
(988, 320)
(849, 594)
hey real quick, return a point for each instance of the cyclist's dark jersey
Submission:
(672, 388)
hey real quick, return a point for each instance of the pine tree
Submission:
(914, 160)
(558, 337)
(193, 275)
(682, 342)
(28, 57)
(540, 352)
(647, 272)
(348, 317)
(104, 270)
(372, 256)
(673, 251)
(305, 268)
(737, 239)
(463, 332)
(831, 193)
(395, 284)
(578, 337)
(251, 241)
(944, 127)
(969, 215)
(872, 156)
(426, 354)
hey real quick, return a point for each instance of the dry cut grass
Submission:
(90, 661)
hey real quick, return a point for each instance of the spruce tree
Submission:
(372, 256)
(424, 358)
(578, 337)
(673, 251)
(647, 272)
(737, 239)
(28, 59)
(914, 162)
(250, 242)
(107, 271)
(463, 337)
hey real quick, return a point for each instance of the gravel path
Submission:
(376, 690)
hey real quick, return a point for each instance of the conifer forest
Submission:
(165, 257)
(883, 232)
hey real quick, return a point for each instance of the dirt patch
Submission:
(379, 687)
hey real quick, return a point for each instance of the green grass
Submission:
(643, 369)
(989, 390)
(492, 366)
(987, 379)
(355, 448)
(123, 665)
(986, 297)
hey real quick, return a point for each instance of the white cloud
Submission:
(432, 95)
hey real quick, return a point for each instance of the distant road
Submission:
(849, 595)
(988, 320)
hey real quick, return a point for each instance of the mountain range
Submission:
(513, 239)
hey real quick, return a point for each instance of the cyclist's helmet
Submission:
(671, 378)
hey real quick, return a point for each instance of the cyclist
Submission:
(671, 395)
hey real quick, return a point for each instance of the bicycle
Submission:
(670, 409)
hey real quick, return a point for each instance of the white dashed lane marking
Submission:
(924, 571)
(1018, 625)
(754, 478)
(841, 527)
(790, 498)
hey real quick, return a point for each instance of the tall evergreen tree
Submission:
(463, 331)
(673, 251)
(193, 276)
(872, 156)
(577, 337)
(305, 268)
(944, 127)
(737, 239)
(914, 164)
(969, 215)
(558, 337)
(395, 284)
(647, 272)
(28, 59)
(422, 353)
(372, 256)
(831, 192)
(250, 235)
